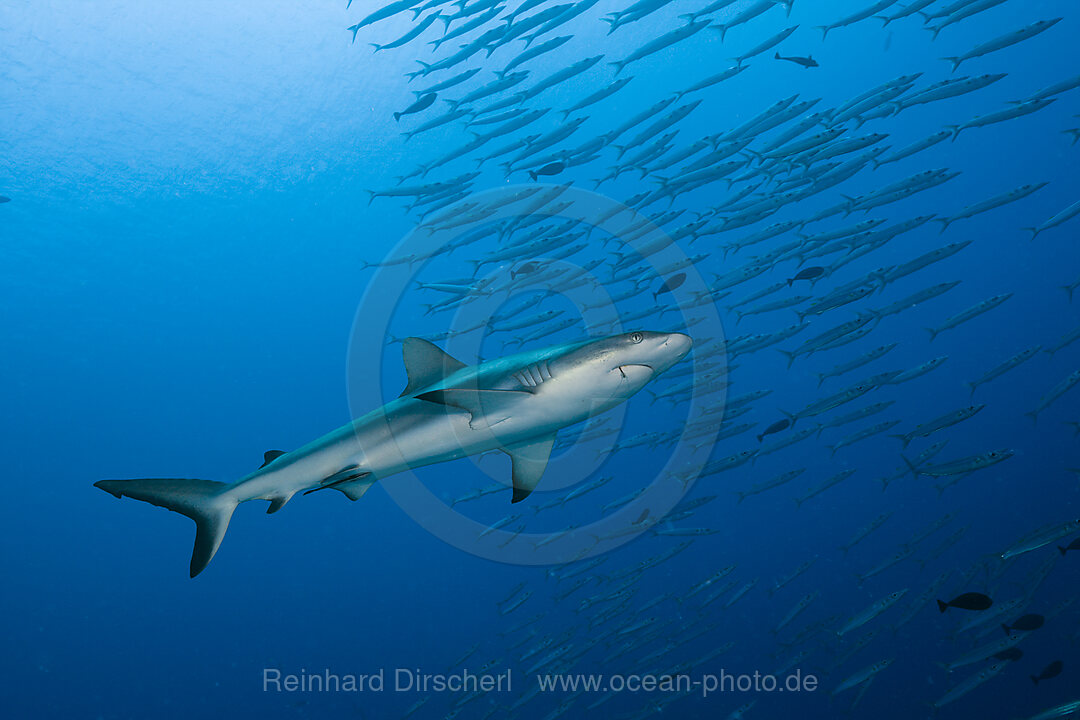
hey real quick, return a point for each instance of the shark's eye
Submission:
(636, 338)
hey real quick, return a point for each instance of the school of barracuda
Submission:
(714, 197)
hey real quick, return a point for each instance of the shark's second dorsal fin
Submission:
(426, 364)
(529, 462)
(270, 456)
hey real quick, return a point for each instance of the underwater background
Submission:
(194, 220)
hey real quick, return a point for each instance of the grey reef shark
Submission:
(448, 410)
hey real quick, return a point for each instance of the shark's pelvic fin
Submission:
(270, 456)
(201, 500)
(529, 462)
(354, 489)
(341, 478)
(426, 364)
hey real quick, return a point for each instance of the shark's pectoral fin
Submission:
(529, 462)
(425, 364)
(488, 404)
(270, 456)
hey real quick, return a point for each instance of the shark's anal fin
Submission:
(425, 364)
(270, 456)
(529, 462)
(478, 403)
(278, 503)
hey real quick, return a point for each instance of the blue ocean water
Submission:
(192, 278)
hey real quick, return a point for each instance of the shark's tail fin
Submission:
(201, 500)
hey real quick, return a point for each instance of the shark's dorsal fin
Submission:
(270, 456)
(426, 364)
(529, 462)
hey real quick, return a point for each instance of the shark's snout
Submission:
(672, 348)
(658, 351)
(678, 344)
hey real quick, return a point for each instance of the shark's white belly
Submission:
(404, 434)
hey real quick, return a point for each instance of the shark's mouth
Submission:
(635, 367)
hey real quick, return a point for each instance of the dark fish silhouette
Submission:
(4, 199)
(1012, 654)
(967, 601)
(550, 169)
(422, 103)
(672, 283)
(529, 267)
(1025, 624)
(776, 427)
(1074, 545)
(1050, 671)
(806, 62)
(810, 273)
